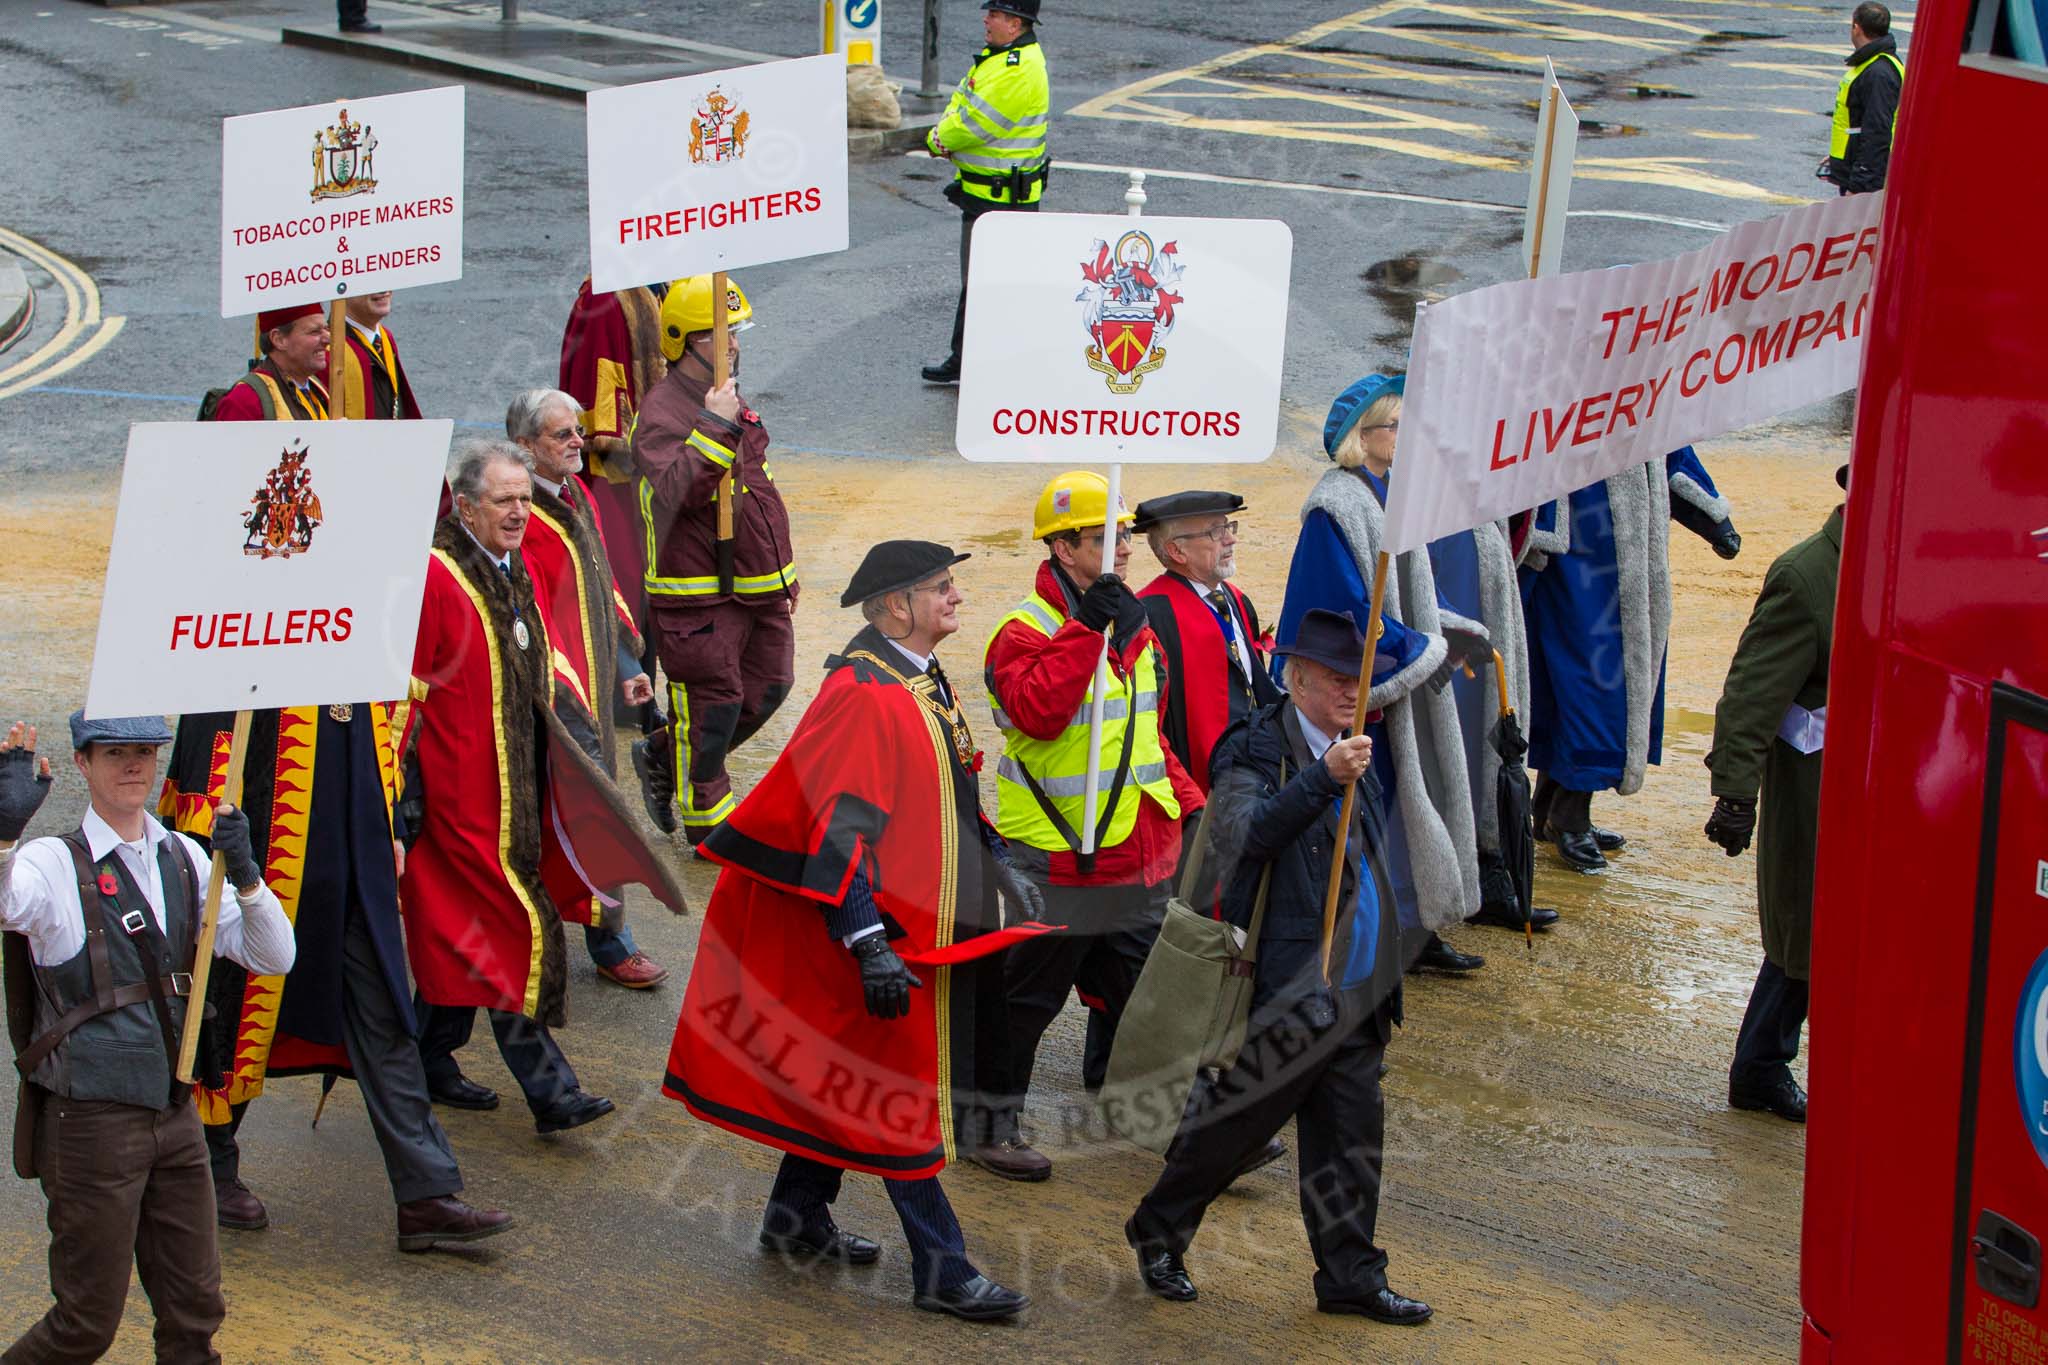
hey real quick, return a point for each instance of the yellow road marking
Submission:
(83, 327)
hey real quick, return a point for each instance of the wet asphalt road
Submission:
(1563, 1181)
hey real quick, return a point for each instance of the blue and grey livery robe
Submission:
(1476, 582)
(1418, 751)
(1596, 593)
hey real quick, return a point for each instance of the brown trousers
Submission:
(126, 1184)
(729, 666)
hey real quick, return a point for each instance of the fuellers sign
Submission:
(288, 573)
(1112, 339)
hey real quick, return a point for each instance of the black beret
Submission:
(895, 565)
(1196, 502)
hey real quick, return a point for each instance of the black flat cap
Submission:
(118, 730)
(1196, 502)
(1331, 639)
(895, 565)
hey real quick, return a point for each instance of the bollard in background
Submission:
(852, 28)
(928, 74)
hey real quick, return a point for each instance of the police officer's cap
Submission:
(118, 730)
(1331, 639)
(1196, 502)
(1023, 9)
(895, 565)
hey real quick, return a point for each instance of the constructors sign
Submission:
(261, 564)
(1519, 393)
(1101, 339)
(330, 200)
(717, 171)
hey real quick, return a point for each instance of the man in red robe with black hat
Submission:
(372, 380)
(286, 383)
(839, 976)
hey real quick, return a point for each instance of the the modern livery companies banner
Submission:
(717, 171)
(336, 199)
(261, 564)
(1520, 393)
(1100, 339)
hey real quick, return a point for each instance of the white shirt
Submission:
(368, 334)
(503, 561)
(554, 489)
(921, 662)
(39, 897)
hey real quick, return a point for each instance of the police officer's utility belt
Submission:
(1019, 181)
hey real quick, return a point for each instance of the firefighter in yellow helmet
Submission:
(721, 577)
(1040, 668)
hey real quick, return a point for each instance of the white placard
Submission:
(1094, 338)
(329, 200)
(717, 171)
(1519, 393)
(1550, 178)
(261, 564)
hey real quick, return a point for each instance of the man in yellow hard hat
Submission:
(721, 578)
(1040, 667)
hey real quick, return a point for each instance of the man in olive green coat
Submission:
(1767, 733)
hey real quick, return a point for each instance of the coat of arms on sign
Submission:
(284, 511)
(1130, 296)
(344, 159)
(719, 130)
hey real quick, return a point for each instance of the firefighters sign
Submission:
(1112, 339)
(330, 200)
(288, 574)
(717, 171)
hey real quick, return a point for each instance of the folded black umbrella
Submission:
(1513, 805)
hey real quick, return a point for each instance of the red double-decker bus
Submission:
(1927, 1152)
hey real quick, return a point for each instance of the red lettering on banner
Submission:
(180, 627)
(1789, 282)
(1836, 324)
(1625, 406)
(1808, 324)
(1500, 429)
(316, 624)
(1613, 321)
(1686, 387)
(1552, 435)
(1645, 322)
(1769, 343)
(1831, 248)
(1721, 351)
(1862, 308)
(1680, 306)
(1591, 410)
(1866, 245)
(1770, 278)
(1721, 287)
(1656, 392)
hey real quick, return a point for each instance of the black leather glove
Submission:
(1733, 821)
(1103, 603)
(1020, 893)
(884, 980)
(1725, 539)
(231, 842)
(22, 789)
(1471, 648)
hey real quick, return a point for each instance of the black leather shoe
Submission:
(1504, 917)
(573, 1110)
(1164, 1275)
(363, 26)
(1439, 956)
(946, 371)
(425, 1223)
(1608, 840)
(1382, 1305)
(828, 1243)
(657, 783)
(463, 1093)
(1580, 851)
(238, 1209)
(1274, 1150)
(1785, 1099)
(979, 1300)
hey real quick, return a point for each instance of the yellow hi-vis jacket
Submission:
(995, 128)
(1841, 131)
(1041, 783)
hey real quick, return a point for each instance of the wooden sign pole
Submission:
(337, 337)
(1335, 887)
(209, 923)
(721, 371)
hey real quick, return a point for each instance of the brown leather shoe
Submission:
(424, 1222)
(637, 973)
(1012, 1159)
(239, 1209)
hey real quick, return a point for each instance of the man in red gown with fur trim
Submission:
(841, 971)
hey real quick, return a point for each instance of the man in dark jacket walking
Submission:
(1315, 1046)
(1866, 102)
(1767, 734)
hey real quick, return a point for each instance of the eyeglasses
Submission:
(1394, 425)
(1123, 537)
(1228, 528)
(941, 588)
(562, 435)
